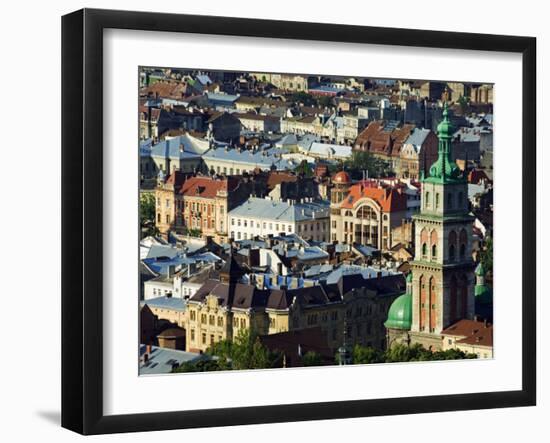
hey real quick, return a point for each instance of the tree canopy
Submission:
(487, 255)
(364, 161)
(312, 358)
(244, 352)
(147, 214)
(404, 353)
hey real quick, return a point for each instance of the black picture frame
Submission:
(82, 215)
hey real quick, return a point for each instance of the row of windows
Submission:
(204, 337)
(225, 170)
(450, 200)
(196, 223)
(212, 320)
(246, 223)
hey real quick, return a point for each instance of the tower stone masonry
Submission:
(442, 270)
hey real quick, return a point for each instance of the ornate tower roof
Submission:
(444, 170)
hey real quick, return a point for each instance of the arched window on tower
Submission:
(427, 203)
(437, 200)
(452, 245)
(433, 243)
(463, 241)
(450, 200)
(424, 242)
(460, 199)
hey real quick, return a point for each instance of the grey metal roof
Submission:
(280, 211)
(183, 146)
(263, 159)
(172, 303)
(162, 360)
(218, 97)
(417, 137)
(306, 141)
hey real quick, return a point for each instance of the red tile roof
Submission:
(477, 175)
(276, 177)
(375, 138)
(206, 187)
(166, 89)
(473, 332)
(390, 199)
(176, 178)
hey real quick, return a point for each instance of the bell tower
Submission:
(443, 269)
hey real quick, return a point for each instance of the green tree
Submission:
(303, 169)
(147, 214)
(303, 98)
(487, 255)
(364, 161)
(146, 208)
(416, 352)
(244, 352)
(324, 101)
(366, 354)
(312, 358)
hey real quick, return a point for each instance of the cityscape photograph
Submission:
(304, 220)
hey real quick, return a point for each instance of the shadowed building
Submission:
(354, 307)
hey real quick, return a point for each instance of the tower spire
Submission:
(444, 169)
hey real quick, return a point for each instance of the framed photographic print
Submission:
(270, 221)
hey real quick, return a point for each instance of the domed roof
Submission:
(400, 313)
(341, 177)
(480, 270)
(483, 294)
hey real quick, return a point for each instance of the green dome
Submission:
(400, 313)
(480, 270)
(483, 294)
(409, 277)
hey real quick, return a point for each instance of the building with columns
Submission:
(441, 285)
(365, 212)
